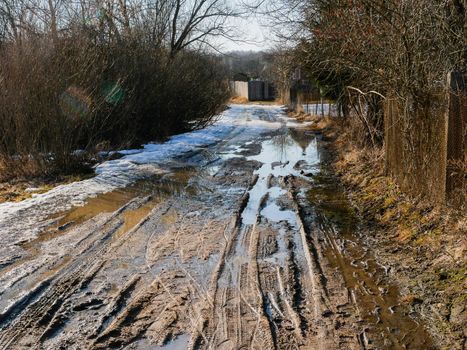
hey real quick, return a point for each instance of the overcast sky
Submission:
(252, 31)
(252, 35)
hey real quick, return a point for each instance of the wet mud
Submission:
(247, 244)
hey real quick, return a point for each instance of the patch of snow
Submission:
(32, 189)
(23, 221)
(274, 213)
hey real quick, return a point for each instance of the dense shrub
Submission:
(77, 93)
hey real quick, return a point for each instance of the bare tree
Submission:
(399, 52)
(197, 21)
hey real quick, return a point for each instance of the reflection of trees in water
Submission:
(301, 138)
(176, 183)
(281, 143)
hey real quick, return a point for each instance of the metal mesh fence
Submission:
(426, 147)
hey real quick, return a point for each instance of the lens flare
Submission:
(113, 93)
(75, 103)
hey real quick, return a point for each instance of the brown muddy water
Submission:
(154, 191)
(387, 323)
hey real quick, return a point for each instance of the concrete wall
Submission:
(239, 88)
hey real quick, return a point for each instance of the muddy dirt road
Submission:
(245, 244)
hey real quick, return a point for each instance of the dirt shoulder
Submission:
(240, 100)
(424, 246)
(21, 189)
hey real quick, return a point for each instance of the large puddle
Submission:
(155, 190)
(158, 188)
(280, 156)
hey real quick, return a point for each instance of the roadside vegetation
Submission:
(423, 244)
(83, 77)
(386, 64)
(398, 150)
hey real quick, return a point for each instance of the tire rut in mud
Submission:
(114, 288)
(273, 292)
(43, 310)
(268, 291)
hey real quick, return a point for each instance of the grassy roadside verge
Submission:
(424, 246)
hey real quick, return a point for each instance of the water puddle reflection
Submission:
(156, 189)
(282, 155)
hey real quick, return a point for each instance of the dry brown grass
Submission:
(11, 168)
(425, 243)
(319, 123)
(240, 100)
(412, 219)
(244, 101)
(21, 189)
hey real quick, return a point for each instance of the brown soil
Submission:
(244, 101)
(196, 262)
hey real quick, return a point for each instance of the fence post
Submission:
(322, 107)
(456, 128)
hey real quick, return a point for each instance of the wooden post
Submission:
(456, 124)
(322, 107)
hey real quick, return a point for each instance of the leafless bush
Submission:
(381, 51)
(74, 75)
(398, 48)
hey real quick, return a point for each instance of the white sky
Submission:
(250, 29)
(252, 35)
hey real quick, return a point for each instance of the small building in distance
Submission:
(253, 90)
